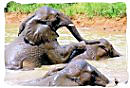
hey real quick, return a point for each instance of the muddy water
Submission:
(112, 68)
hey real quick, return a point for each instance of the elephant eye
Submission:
(101, 46)
(94, 73)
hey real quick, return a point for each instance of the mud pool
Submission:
(112, 67)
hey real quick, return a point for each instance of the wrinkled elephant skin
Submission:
(103, 50)
(53, 18)
(76, 73)
(20, 54)
(37, 44)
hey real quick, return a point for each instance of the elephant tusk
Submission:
(71, 25)
(89, 68)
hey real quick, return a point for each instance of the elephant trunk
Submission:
(65, 21)
(114, 53)
(74, 32)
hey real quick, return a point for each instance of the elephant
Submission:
(37, 43)
(20, 54)
(100, 51)
(53, 18)
(76, 73)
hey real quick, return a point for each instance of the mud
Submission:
(98, 27)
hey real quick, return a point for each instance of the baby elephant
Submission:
(76, 73)
(99, 51)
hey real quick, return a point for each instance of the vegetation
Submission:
(89, 9)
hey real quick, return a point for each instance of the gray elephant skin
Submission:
(101, 51)
(37, 40)
(77, 73)
(37, 44)
(20, 54)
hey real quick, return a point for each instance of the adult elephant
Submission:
(54, 19)
(37, 41)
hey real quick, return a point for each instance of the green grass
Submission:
(89, 9)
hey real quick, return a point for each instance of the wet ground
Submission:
(112, 68)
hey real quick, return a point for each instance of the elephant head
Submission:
(78, 72)
(52, 18)
(86, 73)
(108, 48)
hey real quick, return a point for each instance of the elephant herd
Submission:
(37, 45)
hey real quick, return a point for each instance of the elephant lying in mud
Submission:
(19, 54)
(103, 50)
(37, 43)
(76, 73)
(35, 56)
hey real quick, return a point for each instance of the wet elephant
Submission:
(100, 51)
(37, 44)
(53, 18)
(76, 73)
(20, 54)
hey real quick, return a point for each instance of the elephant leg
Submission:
(62, 53)
(54, 70)
(14, 65)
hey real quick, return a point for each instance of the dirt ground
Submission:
(115, 25)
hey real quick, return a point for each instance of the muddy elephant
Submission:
(37, 44)
(76, 73)
(100, 51)
(48, 16)
(20, 54)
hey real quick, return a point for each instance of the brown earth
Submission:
(116, 25)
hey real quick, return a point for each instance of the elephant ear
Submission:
(38, 31)
(23, 24)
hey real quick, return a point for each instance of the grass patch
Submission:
(89, 9)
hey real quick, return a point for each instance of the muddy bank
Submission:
(117, 25)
